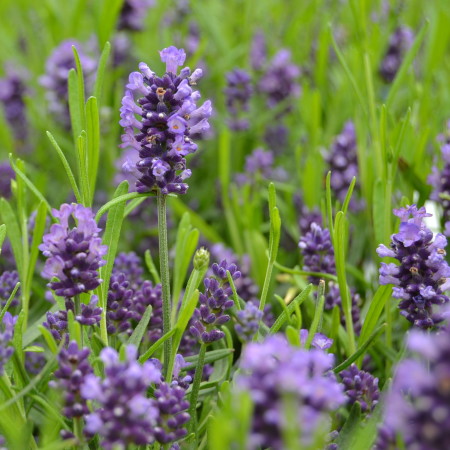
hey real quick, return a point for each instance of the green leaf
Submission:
(138, 333)
(49, 339)
(101, 71)
(156, 345)
(108, 12)
(151, 267)
(351, 425)
(2, 236)
(118, 199)
(210, 357)
(9, 301)
(317, 319)
(74, 108)
(80, 87)
(283, 317)
(93, 142)
(293, 336)
(74, 328)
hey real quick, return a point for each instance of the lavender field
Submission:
(223, 225)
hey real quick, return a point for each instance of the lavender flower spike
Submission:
(422, 275)
(248, 321)
(169, 120)
(6, 335)
(74, 255)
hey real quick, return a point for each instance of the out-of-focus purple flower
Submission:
(418, 404)
(399, 43)
(248, 321)
(213, 303)
(343, 162)
(440, 179)
(74, 255)
(422, 276)
(279, 83)
(130, 264)
(238, 92)
(132, 15)
(123, 415)
(12, 92)
(34, 362)
(317, 251)
(276, 138)
(55, 80)
(6, 335)
(6, 175)
(361, 387)
(319, 341)
(57, 324)
(273, 371)
(8, 281)
(73, 369)
(258, 52)
(169, 119)
(306, 216)
(126, 168)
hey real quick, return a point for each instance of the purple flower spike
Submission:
(8, 281)
(74, 255)
(248, 322)
(238, 93)
(422, 275)
(6, 175)
(124, 415)
(6, 336)
(73, 369)
(167, 119)
(90, 313)
(133, 14)
(274, 370)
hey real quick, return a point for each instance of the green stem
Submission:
(164, 270)
(196, 387)
(78, 431)
(78, 313)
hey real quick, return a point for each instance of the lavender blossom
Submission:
(248, 321)
(238, 93)
(417, 406)
(129, 264)
(119, 312)
(399, 43)
(74, 255)
(145, 296)
(34, 362)
(6, 175)
(124, 415)
(319, 341)
(55, 80)
(361, 387)
(57, 325)
(276, 138)
(421, 277)
(169, 119)
(8, 281)
(274, 371)
(258, 53)
(440, 179)
(90, 313)
(6, 336)
(71, 374)
(12, 93)
(133, 14)
(306, 216)
(343, 162)
(213, 303)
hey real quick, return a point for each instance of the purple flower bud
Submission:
(173, 58)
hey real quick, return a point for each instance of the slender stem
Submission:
(164, 270)
(77, 303)
(78, 431)
(196, 387)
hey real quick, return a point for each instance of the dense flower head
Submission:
(306, 215)
(342, 160)
(169, 121)
(273, 371)
(280, 80)
(133, 14)
(74, 254)
(130, 264)
(213, 303)
(8, 281)
(248, 320)
(34, 362)
(317, 250)
(57, 324)
(238, 93)
(6, 336)
(73, 368)
(119, 312)
(399, 43)
(55, 80)
(361, 387)
(149, 295)
(422, 275)
(90, 313)
(440, 179)
(12, 91)
(123, 414)
(417, 407)
(6, 175)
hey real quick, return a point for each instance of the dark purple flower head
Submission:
(73, 369)
(238, 93)
(123, 415)
(418, 404)
(273, 371)
(213, 303)
(90, 313)
(57, 324)
(12, 91)
(145, 296)
(343, 162)
(317, 251)
(55, 80)
(248, 321)
(34, 362)
(74, 254)
(119, 313)
(361, 387)
(169, 119)
(133, 14)
(399, 43)
(6, 336)
(422, 275)
(6, 175)
(8, 281)
(131, 265)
